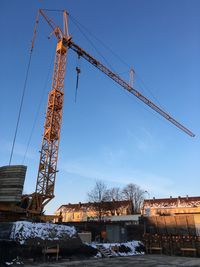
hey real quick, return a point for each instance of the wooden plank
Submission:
(191, 225)
(182, 228)
(170, 225)
(161, 225)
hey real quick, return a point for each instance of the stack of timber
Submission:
(12, 182)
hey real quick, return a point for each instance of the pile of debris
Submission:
(29, 233)
(27, 240)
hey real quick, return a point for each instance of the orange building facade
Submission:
(93, 211)
(171, 206)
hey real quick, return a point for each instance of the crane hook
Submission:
(78, 71)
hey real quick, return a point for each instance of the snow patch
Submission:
(122, 249)
(23, 230)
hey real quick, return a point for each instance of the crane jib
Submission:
(126, 86)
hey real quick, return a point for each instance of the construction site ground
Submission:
(139, 261)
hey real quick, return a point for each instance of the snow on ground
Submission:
(23, 230)
(123, 249)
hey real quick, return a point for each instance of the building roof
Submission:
(105, 204)
(131, 217)
(173, 202)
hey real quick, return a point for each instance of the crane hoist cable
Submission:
(38, 109)
(83, 28)
(78, 71)
(78, 25)
(147, 88)
(24, 89)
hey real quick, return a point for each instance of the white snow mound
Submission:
(22, 230)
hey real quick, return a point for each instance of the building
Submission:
(94, 211)
(171, 206)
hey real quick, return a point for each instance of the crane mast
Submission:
(50, 144)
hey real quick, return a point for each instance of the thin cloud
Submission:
(144, 141)
(153, 183)
(19, 150)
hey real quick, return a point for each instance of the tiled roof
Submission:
(92, 205)
(172, 202)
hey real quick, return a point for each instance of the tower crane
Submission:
(47, 170)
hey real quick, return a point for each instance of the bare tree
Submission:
(134, 193)
(98, 195)
(114, 193)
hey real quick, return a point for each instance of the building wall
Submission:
(182, 224)
(84, 212)
(171, 211)
(171, 206)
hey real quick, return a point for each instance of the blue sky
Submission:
(107, 134)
